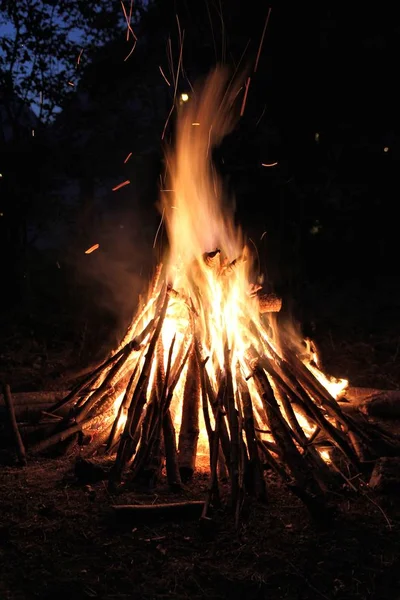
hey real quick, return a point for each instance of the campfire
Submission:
(204, 378)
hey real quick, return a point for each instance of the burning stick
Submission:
(171, 454)
(254, 467)
(229, 405)
(127, 446)
(212, 492)
(269, 303)
(189, 432)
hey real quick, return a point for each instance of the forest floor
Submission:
(58, 538)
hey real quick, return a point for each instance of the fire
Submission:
(205, 375)
(210, 272)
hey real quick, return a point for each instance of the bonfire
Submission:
(204, 379)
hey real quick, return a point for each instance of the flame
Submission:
(213, 304)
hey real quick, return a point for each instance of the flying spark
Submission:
(121, 185)
(262, 40)
(246, 90)
(127, 158)
(163, 74)
(92, 248)
(273, 164)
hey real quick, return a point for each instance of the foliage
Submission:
(45, 43)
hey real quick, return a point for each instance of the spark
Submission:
(121, 185)
(130, 15)
(195, 124)
(127, 158)
(163, 74)
(170, 59)
(184, 97)
(246, 90)
(263, 235)
(92, 248)
(71, 83)
(273, 164)
(262, 40)
(386, 149)
(128, 23)
(176, 79)
(131, 52)
(158, 228)
(261, 116)
(78, 61)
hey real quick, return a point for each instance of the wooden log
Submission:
(384, 404)
(288, 451)
(213, 259)
(32, 399)
(189, 430)
(141, 313)
(322, 471)
(215, 400)
(291, 385)
(229, 405)
(257, 481)
(55, 438)
(112, 378)
(213, 491)
(171, 510)
(34, 412)
(123, 409)
(269, 303)
(171, 454)
(19, 445)
(127, 445)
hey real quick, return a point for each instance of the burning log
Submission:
(255, 475)
(171, 454)
(269, 303)
(189, 431)
(33, 399)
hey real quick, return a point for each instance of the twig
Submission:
(20, 448)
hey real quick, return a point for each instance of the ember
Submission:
(203, 379)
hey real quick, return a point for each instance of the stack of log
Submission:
(253, 418)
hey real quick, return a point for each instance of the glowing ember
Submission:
(92, 248)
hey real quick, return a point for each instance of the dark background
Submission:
(323, 104)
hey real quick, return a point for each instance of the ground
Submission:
(60, 539)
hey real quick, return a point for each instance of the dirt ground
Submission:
(60, 539)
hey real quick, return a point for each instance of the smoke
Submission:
(111, 279)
